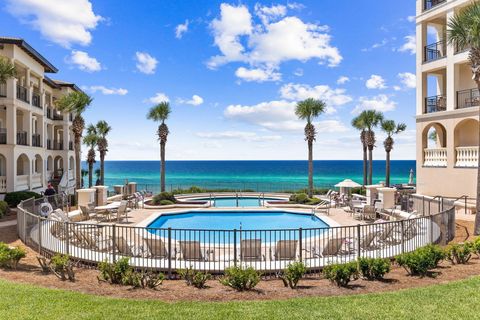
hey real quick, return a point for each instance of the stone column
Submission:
(11, 124)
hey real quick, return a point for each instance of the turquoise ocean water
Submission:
(256, 175)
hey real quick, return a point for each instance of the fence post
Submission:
(170, 253)
(431, 229)
(402, 237)
(423, 205)
(300, 238)
(114, 242)
(235, 247)
(67, 237)
(39, 235)
(358, 241)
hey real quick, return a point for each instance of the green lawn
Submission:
(456, 300)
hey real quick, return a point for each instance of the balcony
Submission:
(435, 157)
(57, 116)
(435, 104)
(3, 90)
(57, 145)
(3, 136)
(70, 145)
(22, 138)
(70, 117)
(22, 93)
(49, 144)
(3, 184)
(36, 140)
(467, 157)
(430, 4)
(435, 51)
(49, 113)
(468, 98)
(36, 100)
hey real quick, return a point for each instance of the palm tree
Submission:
(160, 113)
(464, 32)
(90, 140)
(308, 110)
(83, 173)
(7, 70)
(371, 120)
(98, 174)
(76, 103)
(358, 124)
(390, 128)
(102, 144)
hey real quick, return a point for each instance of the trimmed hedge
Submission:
(161, 198)
(14, 198)
(3, 208)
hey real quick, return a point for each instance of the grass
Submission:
(446, 301)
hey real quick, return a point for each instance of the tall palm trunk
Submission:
(365, 165)
(477, 207)
(102, 168)
(90, 174)
(387, 170)
(310, 168)
(162, 166)
(78, 169)
(370, 164)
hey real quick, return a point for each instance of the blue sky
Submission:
(232, 71)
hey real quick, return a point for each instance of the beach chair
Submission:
(95, 240)
(284, 250)
(369, 213)
(191, 251)
(251, 250)
(367, 242)
(122, 211)
(85, 213)
(386, 236)
(156, 248)
(333, 247)
(123, 247)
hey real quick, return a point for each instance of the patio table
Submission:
(107, 209)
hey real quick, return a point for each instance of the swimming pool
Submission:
(219, 226)
(239, 201)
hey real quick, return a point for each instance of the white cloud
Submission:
(241, 135)
(343, 80)
(106, 91)
(63, 22)
(375, 82)
(145, 62)
(298, 72)
(265, 45)
(410, 45)
(409, 80)
(379, 103)
(196, 100)
(376, 45)
(411, 18)
(332, 97)
(257, 75)
(83, 61)
(181, 29)
(158, 98)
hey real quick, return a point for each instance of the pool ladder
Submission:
(260, 197)
(214, 200)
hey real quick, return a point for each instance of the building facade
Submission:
(36, 142)
(447, 106)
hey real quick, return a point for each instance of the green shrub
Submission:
(475, 246)
(459, 253)
(10, 256)
(374, 269)
(151, 279)
(299, 198)
(194, 278)
(166, 202)
(313, 201)
(119, 272)
(157, 199)
(3, 208)
(422, 260)
(14, 198)
(240, 279)
(341, 274)
(62, 267)
(292, 274)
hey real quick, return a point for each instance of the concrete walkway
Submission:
(8, 223)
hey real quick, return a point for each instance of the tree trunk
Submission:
(90, 174)
(365, 165)
(387, 170)
(78, 169)
(162, 166)
(102, 168)
(310, 169)
(477, 208)
(370, 165)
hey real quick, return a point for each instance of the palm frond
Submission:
(160, 112)
(309, 109)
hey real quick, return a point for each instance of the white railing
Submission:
(467, 157)
(3, 184)
(23, 182)
(435, 157)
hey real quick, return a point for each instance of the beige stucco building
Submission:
(447, 106)
(36, 144)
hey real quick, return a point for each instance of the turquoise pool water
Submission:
(239, 202)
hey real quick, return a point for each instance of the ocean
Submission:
(256, 175)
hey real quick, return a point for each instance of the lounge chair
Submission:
(251, 250)
(95, 240)
(191, 251)
(156, 248)
(285, 250)
(367, 242)
(333, 247)
(386, 236)
(122, 246)
(369, 213)
(85, 212)
(122, 211)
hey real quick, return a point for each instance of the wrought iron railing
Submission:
(36, 140)
(57, 115)
(22, 93)
(435, 51)
(49, 144)
(468, 98)
(429, 4)
(70, 145)
(3, 136)
(435, 104)
(36, 100)
(3, 89)
(57, 145)
(22, 138)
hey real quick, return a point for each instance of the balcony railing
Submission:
(468, 98)
(429, 4)
(3, 90)
(22, 138)
(22, 93)
(36, 100)
(435, 104)
(49, 144)
(3, 184)
(49, 113)
(436, 157)
(435, 51)
(3, 136)
(70, 117)
(57, 145)
(467, 157)
(70, 145)
(57, 116)
(36, 140)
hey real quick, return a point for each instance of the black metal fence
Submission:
(468, 98)
(429, 4)
(435, 51)
(268, 251)
(435, 104)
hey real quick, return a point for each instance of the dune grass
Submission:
(447, 301)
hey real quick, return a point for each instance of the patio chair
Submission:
(369, 213)
(95, 240)
(122, 211)
(122, 247)
(85, 213)
(192, 251)
(156, 248)
(333, 247)
(251, 250)
(386, 236)
(284, 250)
(367, 242)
